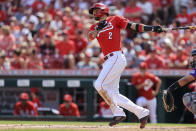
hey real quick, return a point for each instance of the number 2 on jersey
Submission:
(110, 35)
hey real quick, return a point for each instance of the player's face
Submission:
(193, 61)
(95, 12)
(142, 71)
(194, 58)
(67, 104)
(23, 102)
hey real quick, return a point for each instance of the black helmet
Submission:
(192, 61)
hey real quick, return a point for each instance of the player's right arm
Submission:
(94, 30)
(16, 110)
(92, 35)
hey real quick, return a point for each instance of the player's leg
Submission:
(141, 101)
(124, 102)
(112, 89)
(101, 84)
(112, 83)
(152, 106)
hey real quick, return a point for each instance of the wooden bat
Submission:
(180, 28)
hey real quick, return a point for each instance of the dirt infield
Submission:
(129, 127)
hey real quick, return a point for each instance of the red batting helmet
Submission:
(104, 9)
(24, 96)
(143, 65)
(67, 97)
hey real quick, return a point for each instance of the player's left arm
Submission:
(185, 80)
(76, 111)
(143, 28)
(34, 111)
(181, 82)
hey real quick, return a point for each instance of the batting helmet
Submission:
(67, 97)
(193, 52)
(103, 10)
(24, 96)
(192, 60)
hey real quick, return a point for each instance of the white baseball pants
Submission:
(107, 85)
(151, 105)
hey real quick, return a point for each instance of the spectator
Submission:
(137, 58)
(26, 36)
(50, 9)
(4, 62)
(17, 62)
(27, 3)
(35, 98)
(34, 62)
(2, 14)
(86, 63)
(20, 13)
(154, 61)
(147, 10)
(57, 22)
(7, 40)
(180, 60)
(80, 41)
(66, 48)
(48, 46)
(24, 107)
(129, 52)
(38, 5)
(104, 110)
(29, 17)
(40, 16)
(168, 52)
(32, 28)
(146, 42)
(192, 7)
(144, 83)
(193, 18)
(183, 17)
(44, 16)
(133, 12)
(165, 10)
(68, 108)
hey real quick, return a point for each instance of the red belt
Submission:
(109, 55)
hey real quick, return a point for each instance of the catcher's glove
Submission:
(168, 101)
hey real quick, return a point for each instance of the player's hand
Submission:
(154, 93)
(102, 24)
(157, 29)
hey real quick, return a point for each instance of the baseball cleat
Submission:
(116, 120)
(144, 121)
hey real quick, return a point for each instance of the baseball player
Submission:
(24, 107)
(68, 108)
(107, 32)
(189, 99)
(144, 83)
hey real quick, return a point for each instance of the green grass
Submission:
(42, 130)
(93, 125)
(83, 123)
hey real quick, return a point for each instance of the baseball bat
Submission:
(180, 28)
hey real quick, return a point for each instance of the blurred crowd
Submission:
(52, 34)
